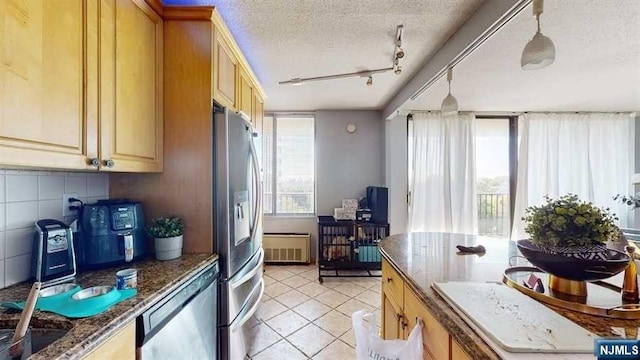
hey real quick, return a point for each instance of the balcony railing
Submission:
(290, 203)
(494, 215)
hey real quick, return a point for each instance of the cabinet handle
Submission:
(389, 279)
(109, 163)
(95, 162)
(403, 323)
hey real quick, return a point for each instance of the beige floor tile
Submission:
(310, 339)
(292, 298)
(369, 297)
(312, 309)
(349, 289)
(312, 289)
(310, 274)
(269, 309)
(334, 322)
(336, 350)
(280, 351)
(265, 297)
(377, 286)
(353, 305)
(296, 281)
(332, 298)
(262, 337)
(281, 275)
(268, 280)
(349, 338)
(287, 322)
(299, 269)
(277, 289)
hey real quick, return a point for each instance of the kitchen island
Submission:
(155, 280)
(412, 262)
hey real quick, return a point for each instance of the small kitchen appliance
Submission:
(111, 233)
(53, 258)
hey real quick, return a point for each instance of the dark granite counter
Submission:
(155, 279)
(425, 258)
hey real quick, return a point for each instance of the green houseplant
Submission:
(167, 233)
(569, 226)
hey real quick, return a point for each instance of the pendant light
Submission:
(449, 104)
(539, 51)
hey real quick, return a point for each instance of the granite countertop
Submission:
(155, 279)
(426, 258)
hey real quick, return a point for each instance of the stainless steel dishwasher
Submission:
(182, 325)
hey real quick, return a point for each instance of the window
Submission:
(289, 164)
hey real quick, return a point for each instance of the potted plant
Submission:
(570, 227)
(167, 234)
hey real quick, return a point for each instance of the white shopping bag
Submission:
(369, 346)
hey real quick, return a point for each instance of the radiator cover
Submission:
(286, 248)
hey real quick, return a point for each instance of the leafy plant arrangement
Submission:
(631, 200)
(569, 222)
(165, 227)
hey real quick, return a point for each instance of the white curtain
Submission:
(589, 155)
(443, 184)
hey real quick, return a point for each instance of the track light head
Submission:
(370, 81)
(397, 69)
(539, 51)
(399, 52)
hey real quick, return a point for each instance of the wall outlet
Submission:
(65, 204)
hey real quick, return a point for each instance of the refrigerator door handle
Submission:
(246, 277)
(258, 187)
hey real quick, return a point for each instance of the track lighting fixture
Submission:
(539, 51)
(449, 104)
(398, 53)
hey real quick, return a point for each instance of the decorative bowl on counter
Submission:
(573, 268)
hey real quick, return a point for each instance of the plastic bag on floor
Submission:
(369, 346)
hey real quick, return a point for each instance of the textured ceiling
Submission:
(597, 65)
(284, 39)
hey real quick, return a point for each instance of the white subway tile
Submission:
(2, 216)
(1, 273)
(50, 209)
(21, 187)
(2, 177)
(2, 246)
(19, 242)
(16, 269)
(97, 185)
(74, 183)
(50, 187)
(21, 214)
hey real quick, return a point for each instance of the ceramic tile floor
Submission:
(299, 318)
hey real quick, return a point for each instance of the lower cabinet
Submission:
(400, 317)
(120, 346)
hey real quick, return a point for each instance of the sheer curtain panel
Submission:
(443, 185)
(588, 154)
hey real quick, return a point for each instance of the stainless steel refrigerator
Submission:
(237, 228)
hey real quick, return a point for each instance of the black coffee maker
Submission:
(110, 232)
(53, 258)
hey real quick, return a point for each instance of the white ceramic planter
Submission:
(168, 248)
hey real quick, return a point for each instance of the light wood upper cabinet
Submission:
(258, 112)
(131, 121)
(225, 72)
(43, 117)
(245, 95)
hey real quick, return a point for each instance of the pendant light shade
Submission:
(449, 104)
(539, 51)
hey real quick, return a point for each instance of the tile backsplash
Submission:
(26, 196)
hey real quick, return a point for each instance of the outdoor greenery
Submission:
(568, 221)
(165, 227)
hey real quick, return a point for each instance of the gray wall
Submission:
(345, 165)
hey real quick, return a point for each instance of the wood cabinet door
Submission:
(225, 73)
(457, 353)
(391, 318)
(131, 87)
(122, 345)
(246, 96)
(258, 112)
(435, 338)
(43, 117)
